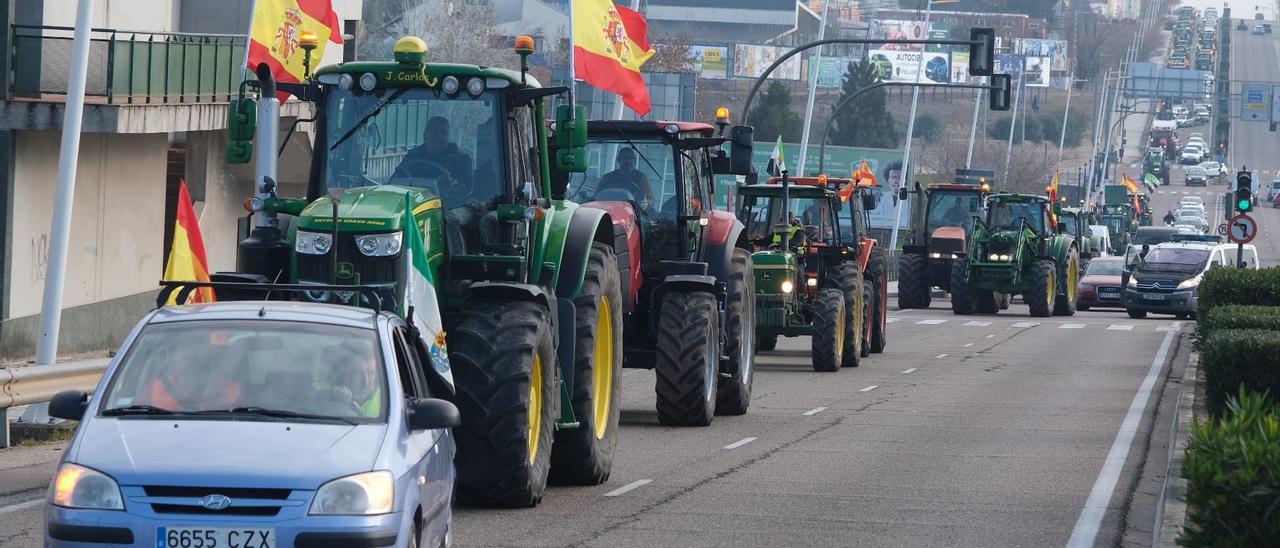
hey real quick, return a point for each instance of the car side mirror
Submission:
(69, 405)
(431, 413)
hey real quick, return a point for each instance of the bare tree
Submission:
(456, 31)
(672, 53)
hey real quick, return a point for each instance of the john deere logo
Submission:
(345, 271)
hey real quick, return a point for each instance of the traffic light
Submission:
(999, 96)
(982, 51)
(1244, 192)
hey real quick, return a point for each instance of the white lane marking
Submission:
(930, 322)
(21, 506)
(940, 356)
(991, 336)
(739, 443)
(628, 488)
(967, 345)
(814, 411)
(976, 323)
(1025, 324)
(1071, 326)
(890, 320)
(912, 370)
(1119, 327)
(1095, 508)
(1167, 328)
(869, 388)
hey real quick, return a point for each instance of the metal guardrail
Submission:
(128, 67)
(38, 383)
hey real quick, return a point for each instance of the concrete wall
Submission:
(145, 15)
(118, 234)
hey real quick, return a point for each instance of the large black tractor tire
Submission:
(913, 281)
(986, 302)
(504, 368)
(765, 344)
(1065, 303)
(849, 281)
(878, 270)
(829, 331)
(584, 455)
(733, 396)
(688, 362)
(864, 349)
(961, 297)
(1043, 293)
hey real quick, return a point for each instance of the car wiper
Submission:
(137, 410)
(286, 414)
(360, 123)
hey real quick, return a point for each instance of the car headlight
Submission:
(360, 494)
(1133, 281)
(788, 287)
(380, 245)
(1190, 283)
(76, 486)
(312, 243)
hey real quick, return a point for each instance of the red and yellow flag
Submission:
(864, 174)
(277, 29)
(610, 43)
(1053, 199)
(186, 258)
(1130, 184)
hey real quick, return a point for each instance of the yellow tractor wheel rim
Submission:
(1052, 287)
(535, 407)
(602, 368)
(840, 336)
(1073, 278)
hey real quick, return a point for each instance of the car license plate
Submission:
(1106, 296)
(215, 537)
(1153, 296)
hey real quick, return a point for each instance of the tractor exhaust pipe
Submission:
(265, 252)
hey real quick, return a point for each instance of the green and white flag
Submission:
(1151, 180)
(777, 164)
(420, 293)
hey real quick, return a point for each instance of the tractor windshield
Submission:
(953, 209)
(1073, 224)
(811, 221)
(420, 138)
(639, 170)
(1010, 216)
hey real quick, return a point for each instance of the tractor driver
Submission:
(956, 215)
(439, 158)
(627, 177)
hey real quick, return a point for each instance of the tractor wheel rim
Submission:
(713, 361)
(602, 368)
(747, 342)
(1051, 287)
(535, 407)
(840, 335)
(1073, 277)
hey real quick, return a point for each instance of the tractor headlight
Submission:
(788, 287)
(475, 87)
(1000, 257)
(449, 85)
(380, 245)
(312, 243)
(811, 282)
(1133, 281)
(935, 255)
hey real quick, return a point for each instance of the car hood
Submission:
(1097, 279)
(220, 453)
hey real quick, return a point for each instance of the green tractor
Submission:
(1076, 223)
(1156, 163)
(816, 273)
(942, 223)
(526, 285)
(1018, 249)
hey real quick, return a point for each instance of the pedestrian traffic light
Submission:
(982, 51)
(999, 96)
(1244, 192)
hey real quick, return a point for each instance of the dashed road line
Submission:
(991, 336)
(1021, 325)
(1119, 327)
(976, 323)
(912, 370)
(814, 411)
(967, 345)
(739, 443)
(940, 356)
(890, 320)
(1072, 326)
(869, 388)
(628, 488)
(930, 322)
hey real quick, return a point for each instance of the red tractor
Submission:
(687, 278)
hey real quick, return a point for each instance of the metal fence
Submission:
(128, 67)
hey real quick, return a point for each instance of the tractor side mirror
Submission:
(869, 201)
(902, 194)
(1062, 227)
(571, 139)
(741, 146)
(242, 122)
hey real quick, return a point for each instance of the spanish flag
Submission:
(277, 29)
(862, 175)
(1053, 198)
(610, 43)
(1130, 184)
(186, 258)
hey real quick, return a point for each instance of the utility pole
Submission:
(60, 232)
(816, 62)
(911, 126)
(973, 127)
(1013, 125)
(1066, 114)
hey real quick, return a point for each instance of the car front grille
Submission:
(244, 501)
(197, 510)
(233, 492)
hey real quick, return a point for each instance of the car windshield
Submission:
(1176, 258)
(1009, 216)
(266, 368)
(1104, 267)
(953, 209)
(1195, 172)
(417, 137)
(641, 170)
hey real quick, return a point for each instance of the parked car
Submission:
(1101, 284)
(294, 423)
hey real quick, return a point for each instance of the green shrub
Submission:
(1223, 286)
(1236, 357)
(1232, 469)
(1239, 316)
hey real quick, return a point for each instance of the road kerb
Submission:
(1173, 498)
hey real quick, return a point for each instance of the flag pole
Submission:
(573, 83)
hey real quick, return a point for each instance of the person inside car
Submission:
(354, 381)
(188, 383)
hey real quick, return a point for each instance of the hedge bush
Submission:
(1236, 357)
(1224, 286)
(1239, 316)
(1232, 469)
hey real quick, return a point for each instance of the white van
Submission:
(1104, 238)
(1225, 255)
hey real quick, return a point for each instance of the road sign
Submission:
(1255, 102)
(1222, 229)
(1243, 229)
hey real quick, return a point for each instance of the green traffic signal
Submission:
(1244, 200)
(1244, 206)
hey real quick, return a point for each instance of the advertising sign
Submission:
(960, 67)
(1255, 102)
(1037, 71)
(830, 71)
(891, 29)
(751, 61)
(1011, 64)
(711, 61)
(1275, 103)
(905, 66)
(1056, 50)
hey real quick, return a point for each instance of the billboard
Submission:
(960, 67)
(1011, 64)
(1150, 80)
(751, 61)
(711, 62)
(906, 66)
(1055, 50)
(1037, 71)
(830, 71)
(891, 29)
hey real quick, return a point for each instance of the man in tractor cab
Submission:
(956, 215)
(437, 152)
(627, 177)
(1010, 217)
(797, 239)
(467, 194)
